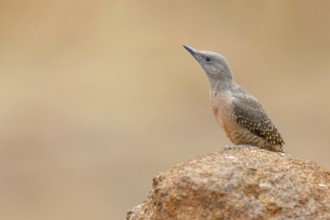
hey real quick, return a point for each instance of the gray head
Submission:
(215, 66)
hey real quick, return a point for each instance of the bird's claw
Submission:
(227, 147)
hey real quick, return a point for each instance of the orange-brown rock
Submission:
(246, 183)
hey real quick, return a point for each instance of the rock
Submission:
(246, 183)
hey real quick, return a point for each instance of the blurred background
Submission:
(99, 96)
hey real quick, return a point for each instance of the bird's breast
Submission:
(222, 109)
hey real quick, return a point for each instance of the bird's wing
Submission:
(250, 114)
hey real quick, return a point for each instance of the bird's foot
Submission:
(227, 147)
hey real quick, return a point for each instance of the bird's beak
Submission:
(193, 52)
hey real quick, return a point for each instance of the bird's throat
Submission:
(220, 86)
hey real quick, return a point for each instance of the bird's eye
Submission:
(208, 59)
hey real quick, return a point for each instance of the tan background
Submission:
(98, 96)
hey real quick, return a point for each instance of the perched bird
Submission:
(240, 114)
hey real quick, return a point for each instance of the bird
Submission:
(238, 112)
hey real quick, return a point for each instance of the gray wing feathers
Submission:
(250, 114)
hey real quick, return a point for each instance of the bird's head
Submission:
(215, 66)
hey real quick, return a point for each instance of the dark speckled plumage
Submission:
(251, 115)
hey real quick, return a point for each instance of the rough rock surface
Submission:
(247, 183)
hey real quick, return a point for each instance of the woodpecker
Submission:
(239, 113)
